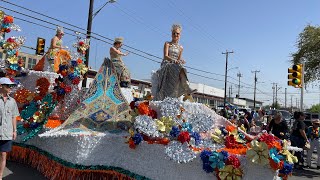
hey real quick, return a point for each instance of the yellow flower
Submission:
(161, 126)
(258, 153)
(13, 59)
(165, 124)
(216, 136)
(289, 157)
(230, 173)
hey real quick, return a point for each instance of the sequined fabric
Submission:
(171, 77)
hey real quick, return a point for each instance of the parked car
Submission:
(286, 115)
(309, 118)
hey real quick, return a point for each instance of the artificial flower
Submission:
(160, 125)
(143, 108)
(230, 173)
(184, 136)
(273, 153)
(196, 137)
(287, 168)
(175, 131)
(291, 159)
(186, 126)
(258, 153)
(13, 59)
(217, 160)
(234, 161)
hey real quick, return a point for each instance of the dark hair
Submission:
(116, 43)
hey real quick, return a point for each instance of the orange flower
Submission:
(79, 61)
(143, 108)
(230, 128)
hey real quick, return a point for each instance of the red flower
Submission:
(234, 161)
(10, 40)
(26, 125)
(184, 137)
(132, 104)
(152, 113)
(7, 30)
(68, 89)
(76, 81)
(230, 142)
(81, 43)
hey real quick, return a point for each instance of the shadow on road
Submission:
(16, 171)
(307, 173)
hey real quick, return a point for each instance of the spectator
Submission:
(8, 126)
(298, 137)
(313, 135)
(278, 126)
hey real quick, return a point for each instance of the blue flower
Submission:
(225, 155)
(273, 153)
(187, 127)
(71, 76)
(287, 168)
(137, 138)
(207, 167)
(175, 131)
(74, 63)
(205, 154)
(61, 91)
(216, 160)
(62, 67)
(196, 137)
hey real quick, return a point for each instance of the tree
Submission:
(308, 45)
(275, 105)
(315, 108)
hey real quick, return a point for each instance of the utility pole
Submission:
(230, 93)
(225, 78)
(273, 94)
(285, 97)
(240, 75)
(277, 93)
(255, 87)
(302, 84)
(89, 25)
(291, 102)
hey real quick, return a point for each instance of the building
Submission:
(29, 60)
(250, 103)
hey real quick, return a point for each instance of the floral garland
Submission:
(36, 106)
(13, 66)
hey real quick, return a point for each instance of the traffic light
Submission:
(295, 76)
(40, 46)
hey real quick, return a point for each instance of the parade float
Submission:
(101, 133)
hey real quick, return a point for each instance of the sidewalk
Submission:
(15, 171)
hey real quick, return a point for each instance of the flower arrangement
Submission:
(36, 106)
(7, 23)
(82, 45)
(13, 65)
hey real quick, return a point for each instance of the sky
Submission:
(262, 35)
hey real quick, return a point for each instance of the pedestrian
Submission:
(298, 137)
(278, 126)
(8, 126)
(313, 135)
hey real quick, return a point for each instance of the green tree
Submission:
(275, 105)
(308, 45)
(315, 108)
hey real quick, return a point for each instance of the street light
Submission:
(90, 17)
(94, 14)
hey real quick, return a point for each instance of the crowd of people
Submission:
(298, 134)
